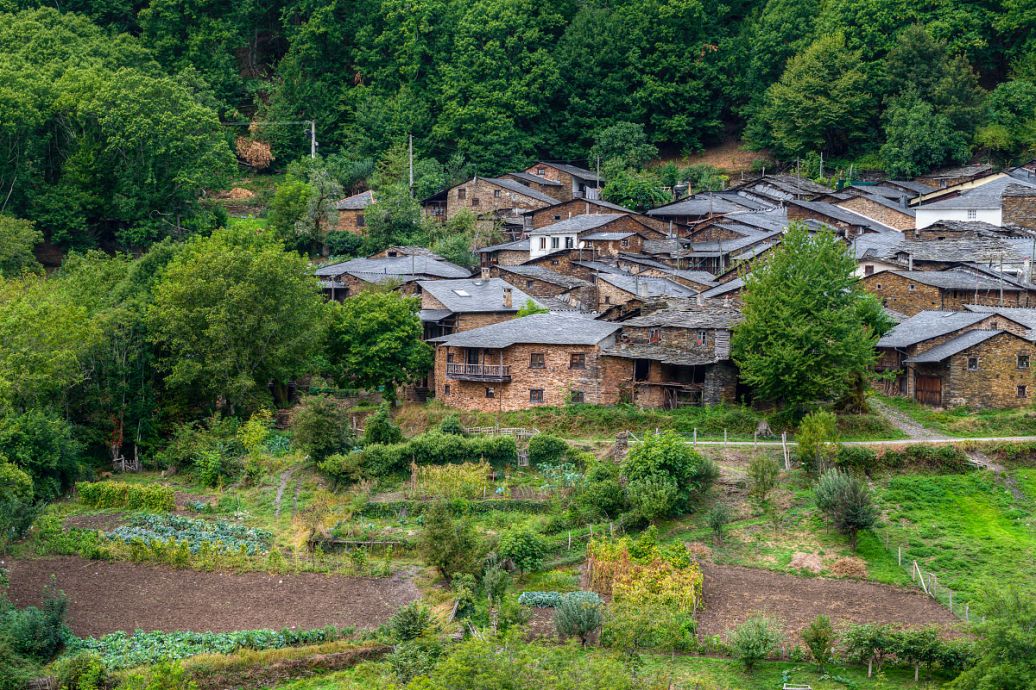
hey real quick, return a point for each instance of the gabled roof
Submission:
(573, 170)
(608, 236)
(396, 266)
(987, 196)
(957, 280)
(577, 224)
(546, 275)
(529, 177)
(646, 286)
(688, 313)
(952, 347)
(963, 171)
(1025, 317)
(697, 205)
(475, 295)
(356, 202)
(911, 186)
(516, 246)
(843, 215)
(724, 289)
(536, 329)
(926, 325)
(519, 188)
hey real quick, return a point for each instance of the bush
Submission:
(167, 675)
(754, 640)
(577, 617)
(938, 458)
(411, 621)
(451, 425)
(717, 519)
(600, 495)
(43, 445)
(437, 448)
(857, 459)
(108, 494)
(764, 474)
(379, 427)
(653, 497)
(554, 599)
(448, 545)
(320, 428)
(343, 469)
(83, 671)
(415, 658)
(38, 633)
(817, 440)
(16, 494)
(523, 547)
(847, 503)
(819, 637)
(208, 467)
(662, 461)
(547, 449)
(343, 244)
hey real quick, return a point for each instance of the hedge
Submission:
(108, 494)
(437, 448)
(938, 458)
(553, 599)
(458, 507)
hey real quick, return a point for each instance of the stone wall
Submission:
(609, 295)
(995, 383)
(482, 197)
(896, 293)
(1019, 208)
(879, 212)
(352, 220)
(559, 192)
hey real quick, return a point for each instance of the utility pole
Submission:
(312, 138)
(821, 165)
(410, 144)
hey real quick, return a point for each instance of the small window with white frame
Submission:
(972, 214)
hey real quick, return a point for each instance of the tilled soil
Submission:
(734, 594)
(108, 596)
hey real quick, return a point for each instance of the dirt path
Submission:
(903, 422)
(733, 594)
(108, 596)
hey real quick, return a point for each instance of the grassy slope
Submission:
(961, 421)
(967, 529)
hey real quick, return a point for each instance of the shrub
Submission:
(939, 458)
(717, 519)
(666, 459)
(82, 671)
(869, 644)
(167, 675)
(411, 621)
(254, 433)
(437, 448)
(208, 466)
(320, 428)
(554, 599)
(415, 658)
(817, 440)
(343, 469)
(764, 473)
(448, 545)
(819, 637)
(856, 458)
(754, 640)
(109, 494)
(653, 497)
(451, 425)
(43, 445)
(847, 503)
(16, 494)
(467, 480)
(379, 427)
(577, 617)
(547, 449)
(34, 632)
(523, 547)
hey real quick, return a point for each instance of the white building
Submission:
(982, 203)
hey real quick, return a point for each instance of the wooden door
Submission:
(928, 389)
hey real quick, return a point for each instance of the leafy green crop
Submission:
(554, 599)
(224, 536)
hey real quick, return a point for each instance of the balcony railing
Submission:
(479, 372)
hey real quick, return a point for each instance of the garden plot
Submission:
(108, 596)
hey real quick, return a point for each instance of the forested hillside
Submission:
(110, 111)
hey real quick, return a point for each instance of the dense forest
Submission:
(117, 117)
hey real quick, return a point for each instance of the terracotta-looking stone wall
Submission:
(1020, 210)
(879, 212)
(994, 383)
(556, 379)
(352, 220)
(896, 293)
(559, 192)
(608, 295)
(490, 198)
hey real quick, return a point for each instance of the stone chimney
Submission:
(508, 298)
(485, 273)
(642, 288)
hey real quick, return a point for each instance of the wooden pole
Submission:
(784, 446)
(695, 437)
(724, 438)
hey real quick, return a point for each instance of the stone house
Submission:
(982, 202)
(505, 254)
(601, 233)
(401, 266)
(619, 288)
(846, 222)
(352, 212)
(951, 177)
(874, 203)
(641, 265)
(543, 282)
(572, 181)
(1019, 206)
(453, 306)
(778, 189)
(542, 359)
(910, 292)
(564, 210)
(494, 197)
(694, 209)
(678, 351)
(948, 359)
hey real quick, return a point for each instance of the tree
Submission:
(600, 494)
(394, 220)
(523, 547)
(374, 341)
(847, 503)
(234, 312)
(819, 637)
(379, 427)
(624, 143)
(320, 428)
(804, 338)
(530, 308)
(1006, 645)
(287, 208)
(577, 617)
(817, 441)
(918, 139)
(636, 190)
(666, 465)
(824, 101)
(764, 474)
(917, 648)
(16, 496)
(717, 519)
(754, 640)
(321, 214)
(447, 544)
(17, 240)
(869, 644)
(41, 443)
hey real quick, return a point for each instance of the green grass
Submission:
(967, 423)
(967, 529)
(249, 223)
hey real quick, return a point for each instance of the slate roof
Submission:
(666, 247)
(926, 325)
(529, 177)
(911, 185)
(475, 294)
(687, 313)
(964, 171)
(957, 280)
(396, 266)
(600, 267)
(433, 315)
(538, 329)
(724, 288)
(546, 275)
(654, 287)
(576, 171)
(516, 246)
(697, 205)
(842, 214)
(964, 249)
(577, 224)
(952, 347)
(888, 202)
(356, 202)
(519, 188)
(987, 196)
(661, 353)
(1020, 315)
(608, 236)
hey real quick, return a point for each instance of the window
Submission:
(878, 286)
(541, 171)
(703, 337)
(577, 360)
(1023, 392)
(972, 363)
(360, 220)
(868, 270)
(462, 193)
(555, 242)
(474, 201)
(607, 299)
(625, 243)
(576, 397)
(543, 243)
(535, 395)
(446, 389)
(461, 292)
(528, 284)
(496, 193)
(537, 361)
(569, 243)
(654, 335)
(490, 393)
(554, 262)
(972, 215)
(557, 217)
(911, 287)
(449, 358)
(995, 325)
(1023, 361)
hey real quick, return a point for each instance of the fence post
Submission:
(724, 439)
(951, 601)
(570, 540)
(695, 438)
(755, 439)
(967, 613)
(784, 446)
(900, 555)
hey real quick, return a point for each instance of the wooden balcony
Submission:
(498, 373)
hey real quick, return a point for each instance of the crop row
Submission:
(194, 532)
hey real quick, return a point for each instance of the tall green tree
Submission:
(234, 313)
(804, 337)
(1006, 646)
(918, 139)
(17, 240)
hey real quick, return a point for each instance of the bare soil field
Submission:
(108, 596)
(734, 594)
